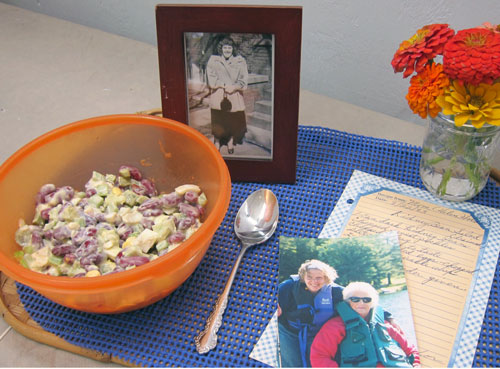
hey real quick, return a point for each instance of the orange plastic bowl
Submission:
(168, 152)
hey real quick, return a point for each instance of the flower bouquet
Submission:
(455, 81)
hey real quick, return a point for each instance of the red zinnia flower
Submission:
(473, 56)
(414, 53)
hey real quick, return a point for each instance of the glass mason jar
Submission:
(456, 161)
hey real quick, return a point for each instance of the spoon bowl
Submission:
(254, 224)
(257, 218)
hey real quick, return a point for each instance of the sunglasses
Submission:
(366, 300)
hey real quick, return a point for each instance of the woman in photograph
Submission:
(361, 336)
(305, 302)
(227, 75)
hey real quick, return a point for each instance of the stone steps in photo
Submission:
(260, 120)
(264, 106)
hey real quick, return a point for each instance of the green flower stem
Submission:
(466, 148)
(434, 161)
(461, 146)
(451, 153)
(474, 174)
(441, 190)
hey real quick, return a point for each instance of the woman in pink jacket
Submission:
(360, 337)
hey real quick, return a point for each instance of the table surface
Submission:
(55, 72)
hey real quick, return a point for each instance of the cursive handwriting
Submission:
(439, 248)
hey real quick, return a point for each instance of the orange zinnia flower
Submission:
(492, 27)
(424, 88)
(473, 56)
(414, 53)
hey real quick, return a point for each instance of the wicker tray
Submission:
(13, 312)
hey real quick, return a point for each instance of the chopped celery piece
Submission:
(102, 189)
(123, 182)
(55, 260)
(96, 200)
(130, 197)
(19, 255)
(202, 199)
(162, 245)
(110, 178)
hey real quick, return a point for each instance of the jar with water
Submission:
(456, 161)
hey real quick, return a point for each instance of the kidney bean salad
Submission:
(119, 222)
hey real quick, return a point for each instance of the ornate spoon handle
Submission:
(207, 339)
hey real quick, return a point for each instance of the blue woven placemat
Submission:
(162, 335)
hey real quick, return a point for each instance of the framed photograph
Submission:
(233, 74)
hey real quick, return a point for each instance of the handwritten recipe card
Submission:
(449, 255)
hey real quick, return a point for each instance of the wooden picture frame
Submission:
(181, 30)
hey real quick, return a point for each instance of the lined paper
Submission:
(440, 248)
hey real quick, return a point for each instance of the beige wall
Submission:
(347, 44)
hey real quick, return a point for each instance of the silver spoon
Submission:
(255, 223)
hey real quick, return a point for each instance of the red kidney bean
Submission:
(88, 247)
(191, 196)
(126, 261)
(154, 203)
(189, 210)
(61, 233)
(70, 258)
(62, 250)
(152, 212)
(170, 200)
(43, 192)
(185, 223)
(45, 214)
(138, 189)
(89, 192)
(129, 171)
(150, 187)
(176, 237)
(147, 223)
(124, 230)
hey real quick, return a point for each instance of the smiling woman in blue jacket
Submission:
(305, 302)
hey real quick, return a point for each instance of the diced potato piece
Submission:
(164, 225)
(130, 215)
(40, 258)
(112, 252)
(181, 190)
(108, 238)
(146, 239)
(129, 242)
